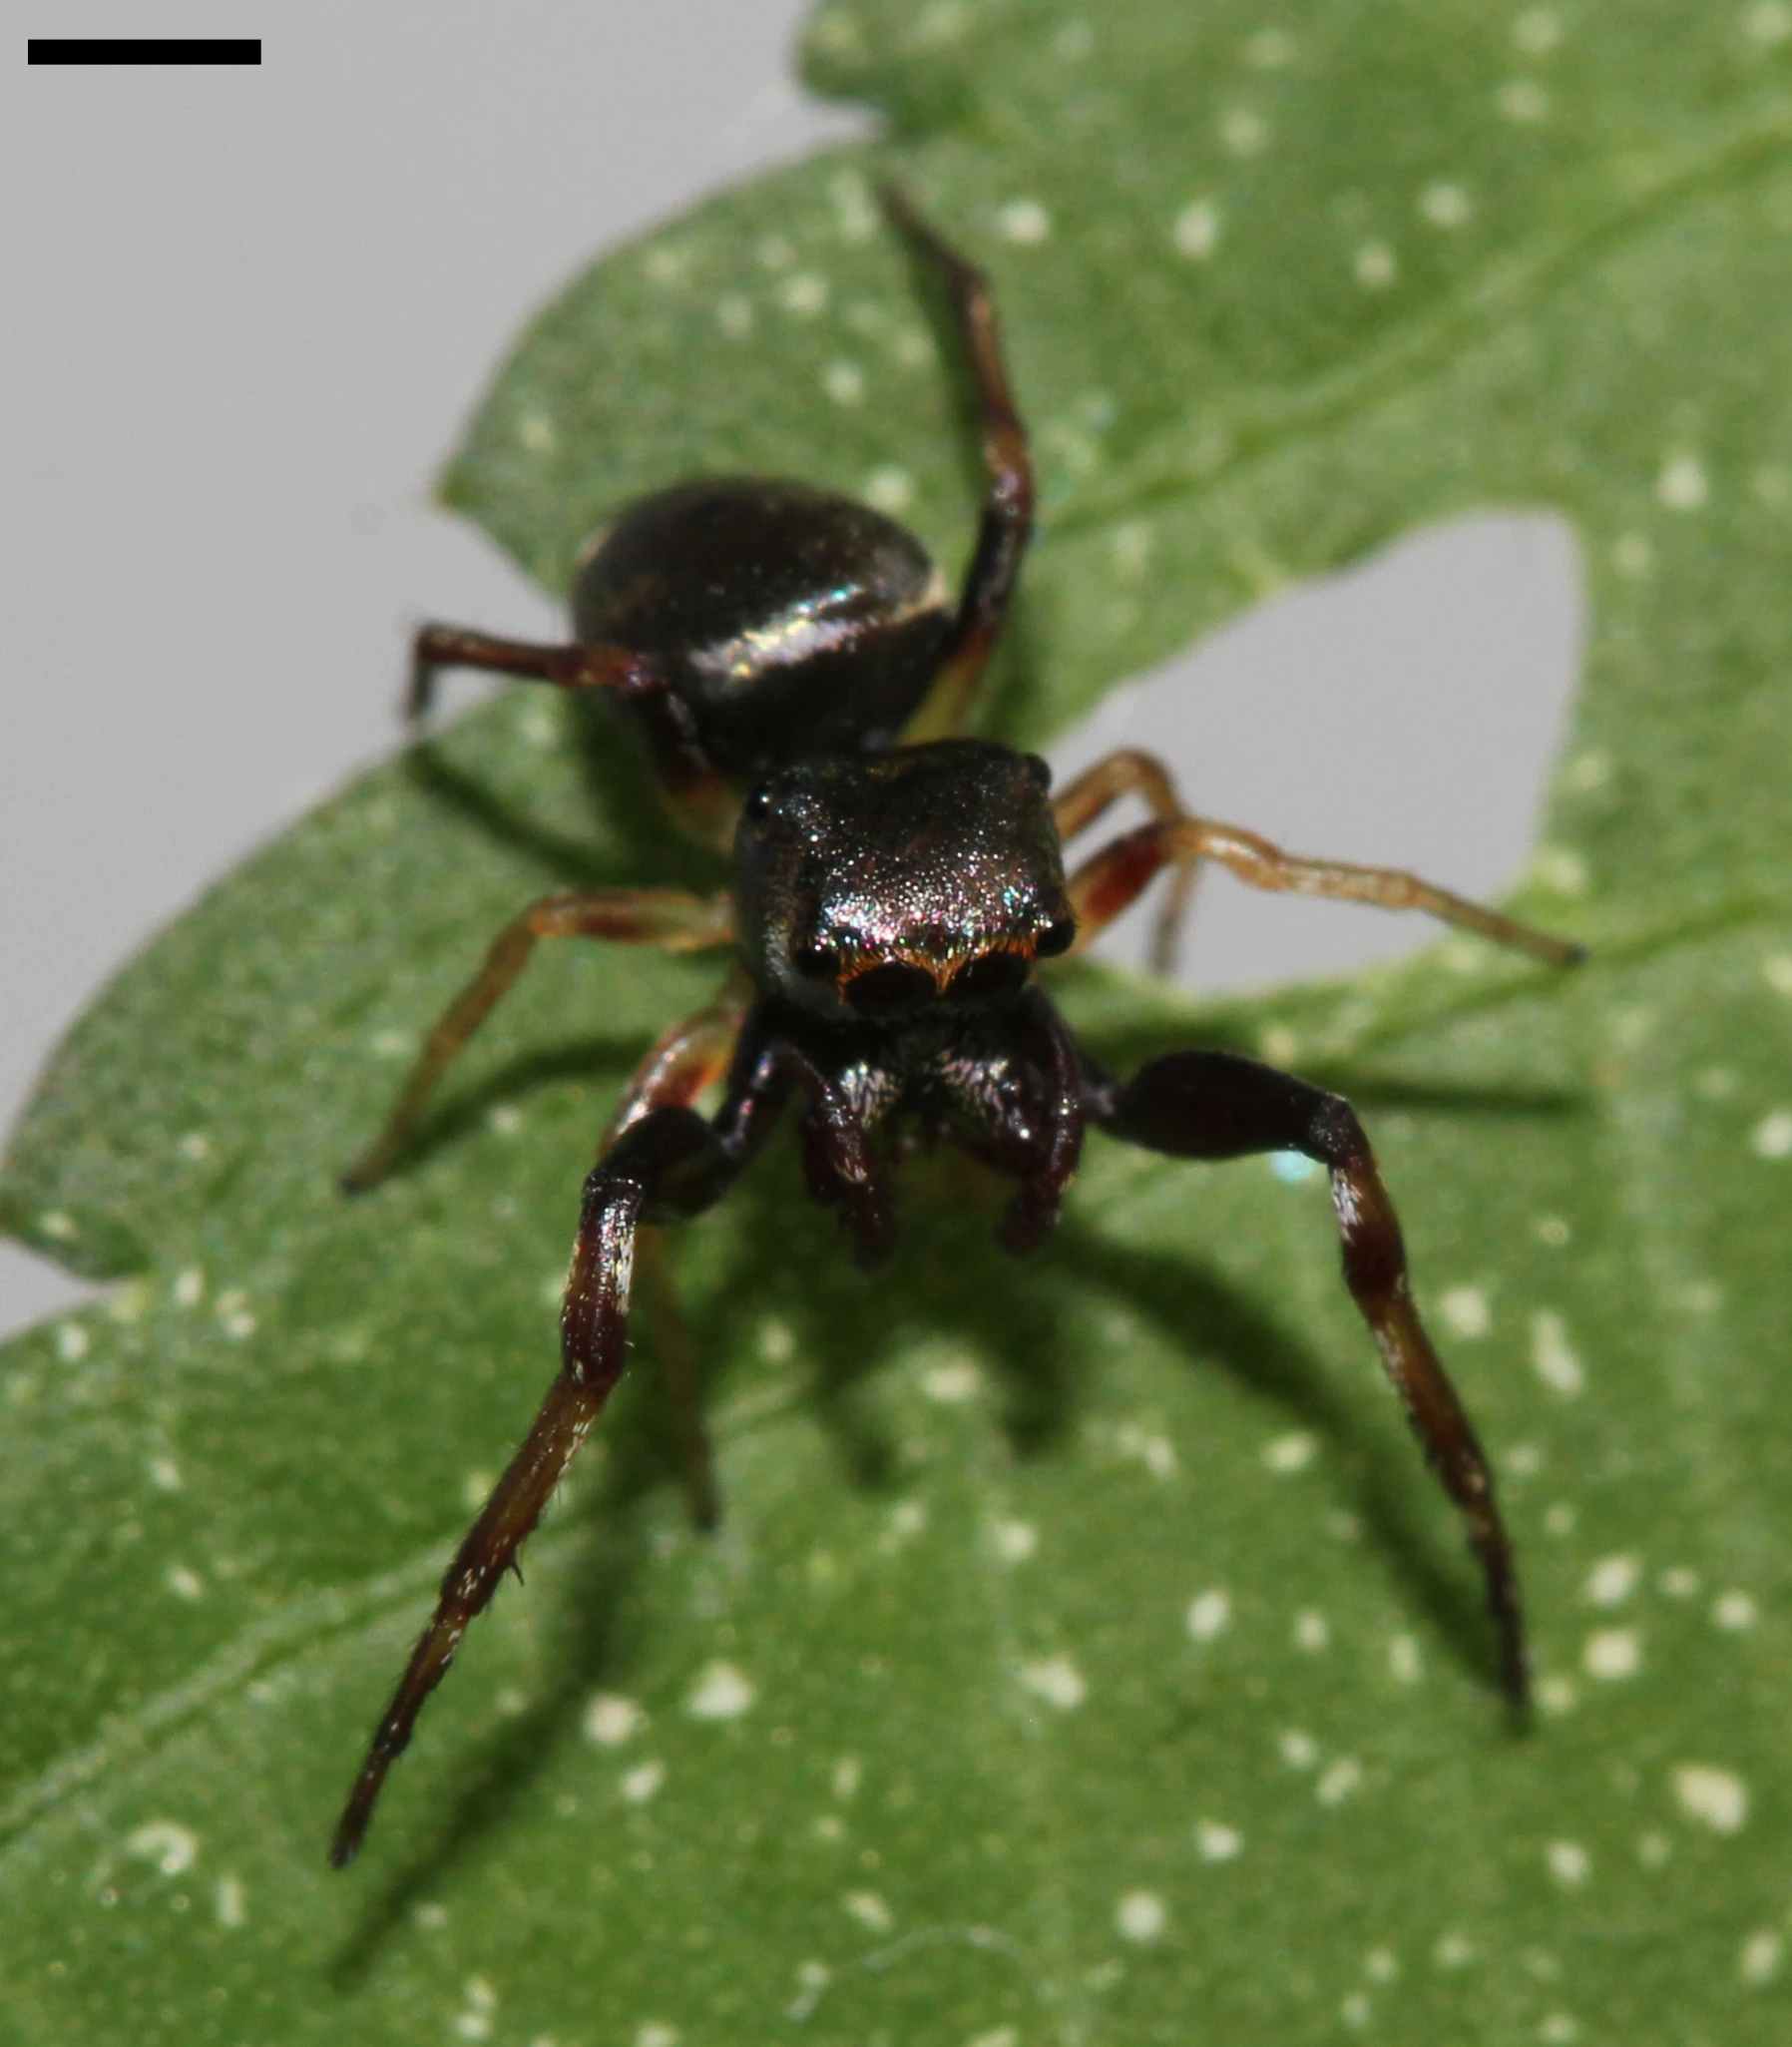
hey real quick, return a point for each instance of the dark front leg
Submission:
(1007, 466)
(671, 1164)
(1214, 1104)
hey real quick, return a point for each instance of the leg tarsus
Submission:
(479, 1564)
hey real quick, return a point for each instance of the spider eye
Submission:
(992, 976)
(1058, 936)
(889, 990)
(1041, 770)
(757, 806)
(816, 963)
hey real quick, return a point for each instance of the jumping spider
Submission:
(802, 676)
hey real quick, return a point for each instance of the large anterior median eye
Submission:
(1055, 939)
(991, 975)
(888, 990)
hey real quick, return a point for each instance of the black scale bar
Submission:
(146, 48)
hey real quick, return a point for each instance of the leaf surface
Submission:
(1086, 1655)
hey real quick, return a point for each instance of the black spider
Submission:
(801, 674)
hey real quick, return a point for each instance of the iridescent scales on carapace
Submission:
(802, 676)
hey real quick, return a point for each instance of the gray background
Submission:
(246, 313)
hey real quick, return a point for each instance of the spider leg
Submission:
(1129, 772)
(1116, 876)
(1008, 504)
(685, 1061)
(671, 1164)
(1215, 1105)
(666, 918)
(841, 1166)
(1048, 1162)
(571, 667)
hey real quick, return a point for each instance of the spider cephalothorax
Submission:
(874, 885)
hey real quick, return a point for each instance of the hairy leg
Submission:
(1109, 881)
(666, 918)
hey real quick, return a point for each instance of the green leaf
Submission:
(1086, 1655)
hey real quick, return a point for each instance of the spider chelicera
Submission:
(802, 673)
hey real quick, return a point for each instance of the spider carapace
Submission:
(803, 672)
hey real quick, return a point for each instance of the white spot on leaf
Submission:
(1682, 485)
(169, 1847)
(1293, 1452)
(643, 1783)
(1772, 1136)
(1140, 1916)
(1445, 205)
(1537, 31)
(1553, 1357)
(804, 294)
(1340, 1780)
(890, 489)
(1768, 23)
(1375, 266)
(952, 1383)
(1243, 132)
(1735, 1611)
(1024, 221)
(1214, 1841)
(1521, 100)
(611, 1719)
(1612, 1580)
(869, 1909)
(1760, 1958)
(1056, 1681)
(1311, 1632)
(720, 1692)
(1195, 229)
(1717, 1798)
(1465, 1309)
(1612, 1653)
(1210, 1613)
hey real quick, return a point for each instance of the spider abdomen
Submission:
(789, 620)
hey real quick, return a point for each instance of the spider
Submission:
(802, 674)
